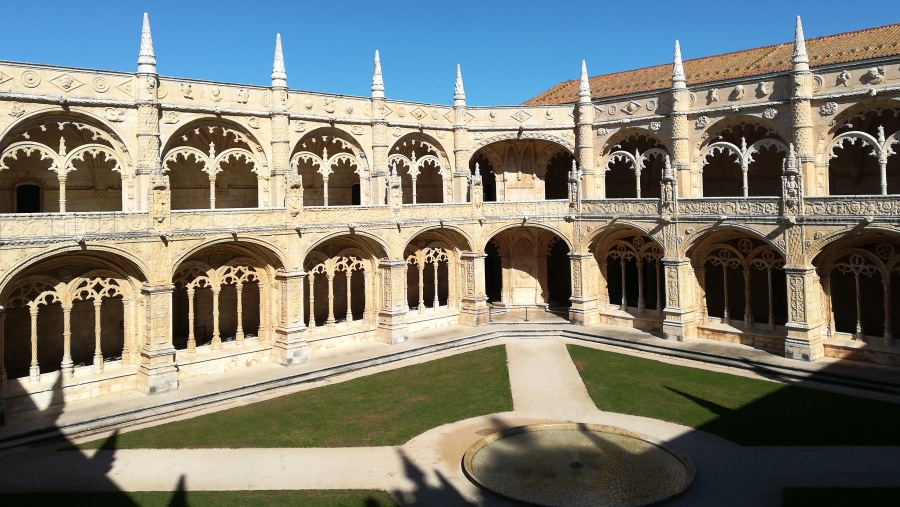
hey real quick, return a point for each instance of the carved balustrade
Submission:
(869, 205)
(54, 226)
(717, 206)
(621, 207)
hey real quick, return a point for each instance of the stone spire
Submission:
(146, 58)
(279, 76)
(377, 80)
(459, 93)
(678, 76)
(800, 59)
(584, 86)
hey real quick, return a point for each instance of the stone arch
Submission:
(607, 146)
(332, 165)
(633, 162)
(451, 236)
(536, 225)
(533, 136)
(433, 269)
(527, 168)
(631, 271)
(215, 163)
(741, 279)
(424, 169)
(224, 291)
(120, 259)
(742, 157)
(65, 311)
(859, 153)
(733, 229)
(529, 257)
(340, 289)
(860, 278)
(78, 163)
(848, 237)
(374, 245)
(249, 246)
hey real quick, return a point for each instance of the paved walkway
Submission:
(426, 470)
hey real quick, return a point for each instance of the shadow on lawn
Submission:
(444, 494)
(786, 446)
(64, 476)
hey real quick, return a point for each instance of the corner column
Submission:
(290, 347)
(157, 372)
(392, 327)
(585, 307)
(379, 169)
(805, 324)
(680, 315)
(474, 309)
(274, 195)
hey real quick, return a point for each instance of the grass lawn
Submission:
(386, 408)
(317, 498)
(834, 497)
(745, 411)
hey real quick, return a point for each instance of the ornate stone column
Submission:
(394, 191)
(680, 312)
(281, 149)
(147, 97)
(801, 97)
(380, 146)
(392, 327)
(157, 372)
(473, 306)
(584, 134)
(681, 146)
(806, 321)
(290, 345)
(585, 307)
(160, 203)
(460, 141)
(281, 161)
(67, 367)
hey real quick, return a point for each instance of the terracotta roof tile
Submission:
(843, 47)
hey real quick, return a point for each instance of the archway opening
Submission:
(534, 268)
(743, 160)
(855, 161)
(635, 167)
(493, 273)
(488, 178)
(71, 311)
(559, 276)
(632, 264)
(556, 179)
(213, 165)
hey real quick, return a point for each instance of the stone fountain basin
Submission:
(574, 465)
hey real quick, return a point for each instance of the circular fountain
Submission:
(574, 465)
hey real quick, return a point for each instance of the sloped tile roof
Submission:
(843, 47)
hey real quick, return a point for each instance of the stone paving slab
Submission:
(545, 382)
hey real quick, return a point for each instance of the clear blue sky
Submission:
(509, 50)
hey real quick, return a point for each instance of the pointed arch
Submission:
(215, 163)
(331, 163)
(424, 169)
